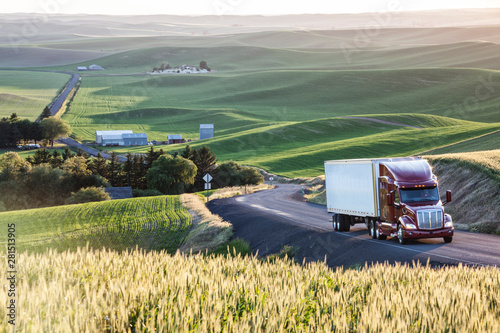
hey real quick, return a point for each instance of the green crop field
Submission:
(150, 223)
(28, 93)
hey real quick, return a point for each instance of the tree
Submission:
(114, 170)
(14, 117)
(89, 194)
(187, 153)
(67, 153)
(36, 132)
(11, 165)
(171, 175)
(205, 160)
(41, 156)
(56, 161)
(232, 174)
(46, 113)
(26, 129)
(98, 166)
(77, 166)
(203, 64)
(152, 155)
(54, 127)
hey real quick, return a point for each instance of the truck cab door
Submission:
(393, 208)
(396, 205)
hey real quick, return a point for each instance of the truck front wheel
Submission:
(401, 238)
(448, 239)
(336, 222)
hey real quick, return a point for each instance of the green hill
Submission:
(28, 93)
(280, 120)
(149, 223)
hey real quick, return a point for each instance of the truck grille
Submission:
(430, 219)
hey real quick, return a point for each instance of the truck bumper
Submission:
(412, 234)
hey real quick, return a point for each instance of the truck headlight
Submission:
(410, 226)
(448, 224)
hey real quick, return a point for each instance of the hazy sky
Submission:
(231, 7)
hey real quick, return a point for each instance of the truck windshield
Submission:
(419, 194)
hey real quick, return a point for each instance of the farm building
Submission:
(175, 138)
(207, 131)
(95, 68)
(120, 138)
(81, 68)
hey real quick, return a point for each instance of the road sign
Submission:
(208, 186)
(207, 178)
(271, 178)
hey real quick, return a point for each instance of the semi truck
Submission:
(394, 197)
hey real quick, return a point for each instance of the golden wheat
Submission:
(104, 291)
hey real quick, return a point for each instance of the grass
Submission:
(485, 162)
(209, 231)
(28, 93)
(140, 291)
(490, 141)
(149, 223)
(474, 179)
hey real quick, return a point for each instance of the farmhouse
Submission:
(175, 138)
(95, 68)
(120, 138)
(81, 68)
(207, 131)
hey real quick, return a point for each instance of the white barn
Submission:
(120, 138)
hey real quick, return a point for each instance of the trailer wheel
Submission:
(372, 229)
(378, 235)
(345, 223)
(448, 239)
(402, 240)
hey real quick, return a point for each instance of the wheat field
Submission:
(104, 291)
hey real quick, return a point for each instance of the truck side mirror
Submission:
(389, 199)
(448, 196)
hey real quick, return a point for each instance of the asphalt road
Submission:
(270, 219)
(56, 106)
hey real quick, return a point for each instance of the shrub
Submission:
(88, 194)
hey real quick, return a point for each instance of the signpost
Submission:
(271, 179)
(207, 178)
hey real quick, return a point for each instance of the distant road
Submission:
(271, 219)
(58, 103)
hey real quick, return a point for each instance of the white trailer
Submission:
(352, 192)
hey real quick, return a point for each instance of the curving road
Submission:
(271, 219)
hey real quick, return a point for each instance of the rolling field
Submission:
(151, 223)
(28, 93)
(275, 97)
(286, 121)
(141, 291)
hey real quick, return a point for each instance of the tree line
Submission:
(48, 179)
(14, 130)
